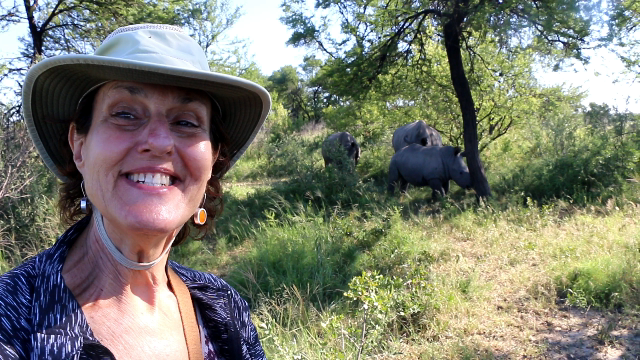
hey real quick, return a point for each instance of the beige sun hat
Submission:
(147, 53)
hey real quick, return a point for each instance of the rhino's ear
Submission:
(456, 151)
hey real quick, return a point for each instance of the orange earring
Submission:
(200, 217)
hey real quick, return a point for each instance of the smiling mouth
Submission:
(151, 179)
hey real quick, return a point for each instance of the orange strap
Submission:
(188, 315)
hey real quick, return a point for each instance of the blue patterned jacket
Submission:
(41, 319)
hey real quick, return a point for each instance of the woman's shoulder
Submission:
(16, 294)
(25, 287)
(15, 285)
(18, 282)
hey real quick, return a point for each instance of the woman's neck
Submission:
(93, 274)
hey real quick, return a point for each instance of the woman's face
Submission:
(147, 156)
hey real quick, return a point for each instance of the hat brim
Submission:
(54, 87)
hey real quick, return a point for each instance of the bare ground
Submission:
(570, 333)
(518, 318)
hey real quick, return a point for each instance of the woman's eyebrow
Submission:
(132, 90)
(188, 99)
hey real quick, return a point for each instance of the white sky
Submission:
(267, 36)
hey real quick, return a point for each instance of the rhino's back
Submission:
(435, 139)
(330, 141)
(417, 164)
(398, 136)
(415, 131)
(333, 137)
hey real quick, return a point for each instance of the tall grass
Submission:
(434, 278)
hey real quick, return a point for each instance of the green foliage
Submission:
(75, 31)
(503, 87)
(28, 219)
(302, 94)
(292, 156)
(582, 158)
(374, 161)
(378, 40)
(608, 282)
(300, 249)
(623, 26)
(311, 189)
(236, 63)
(383, 39)
(400, 305)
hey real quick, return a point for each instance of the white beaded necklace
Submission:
(123, 260)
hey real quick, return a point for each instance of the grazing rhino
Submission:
(339, 140)
(431, 166)
(417, 132)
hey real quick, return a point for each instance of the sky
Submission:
(267, 36)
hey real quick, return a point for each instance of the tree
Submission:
(287, 83)
(377, 35)
(624, 32)
(79, 26)
(303, 94)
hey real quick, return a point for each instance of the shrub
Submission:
(609, 283)
(591, 165)
(28, 216)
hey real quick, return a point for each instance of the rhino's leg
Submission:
(403, 184)
(393, 177)
(436, 188)
(445, 187)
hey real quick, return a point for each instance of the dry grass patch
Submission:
(511, 263)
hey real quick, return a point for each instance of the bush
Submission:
(28, 215)
(591, 165)
(609, 283)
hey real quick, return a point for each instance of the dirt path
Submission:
(572, 333)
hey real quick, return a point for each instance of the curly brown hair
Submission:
(70, 191)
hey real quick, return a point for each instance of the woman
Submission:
(139, 133)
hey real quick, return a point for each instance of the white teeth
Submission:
(150, 179)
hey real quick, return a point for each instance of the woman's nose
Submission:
(159, 140)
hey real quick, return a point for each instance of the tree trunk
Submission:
(36, 34)
(467, 107)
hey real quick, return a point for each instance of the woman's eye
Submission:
(186, 123)
(123, 115)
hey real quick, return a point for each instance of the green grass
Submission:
(425, 273)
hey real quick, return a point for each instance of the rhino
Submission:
(417, 132)
(339, 140)
(431, 166)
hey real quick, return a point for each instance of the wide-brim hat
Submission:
(146, 53)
